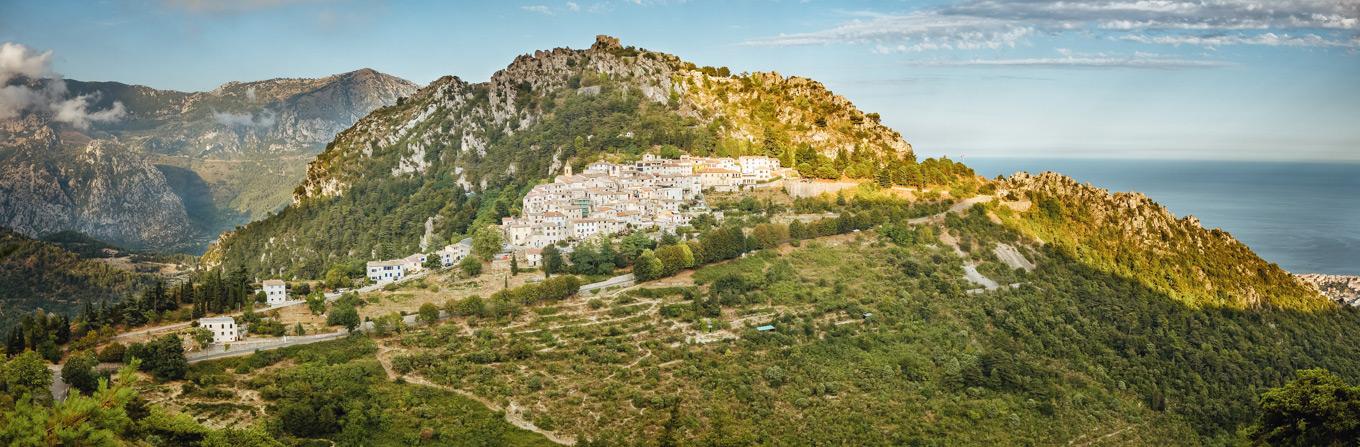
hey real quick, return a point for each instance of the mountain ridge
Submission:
(224, 156)
(544, 110)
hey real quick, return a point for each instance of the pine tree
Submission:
(14, 344)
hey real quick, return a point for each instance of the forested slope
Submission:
(37, 274)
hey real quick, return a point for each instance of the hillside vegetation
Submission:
(1133, 237)
(38, 274)
(879, 338)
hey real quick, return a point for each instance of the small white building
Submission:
(533, 257)
(758, 168)
(385, 271)
(413, 263)
(275, 291)
(451, 254)
(223, 328)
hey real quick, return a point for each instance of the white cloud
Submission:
(1173, 14)
(540, 9)
(28, 85)
(1069, 59)
(573, 7)
(17, 60)
(991, 24)
(1265, 39)
(911, 32)
(75, 111)
(245, 119)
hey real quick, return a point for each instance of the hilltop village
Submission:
(653, 193)
(611, 198)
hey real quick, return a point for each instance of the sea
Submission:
(1303, 216)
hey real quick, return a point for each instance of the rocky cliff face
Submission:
(177, 168)
(100, 189)
(1130, 235)
(276, 116)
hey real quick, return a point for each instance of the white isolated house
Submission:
(385, 271)
(223, 328)
(275, 291)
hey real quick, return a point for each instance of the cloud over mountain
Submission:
(28, 84)
(245, 119)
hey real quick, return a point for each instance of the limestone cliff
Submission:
(100, 189)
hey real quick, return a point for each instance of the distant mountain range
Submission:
(176, 168)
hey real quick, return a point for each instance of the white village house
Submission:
(533, 257)
(223, 328)
(451, 254)
(275, 291)
(385, 271)
(395, 269)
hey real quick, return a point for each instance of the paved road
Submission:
(184, 324)
(215, 352)
(251, 346)
(329, 297)
(621, 280)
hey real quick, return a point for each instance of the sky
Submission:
(1163, 79)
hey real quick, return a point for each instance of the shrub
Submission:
(113, 353)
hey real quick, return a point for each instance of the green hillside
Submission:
(1133, 237)
(39, 274)
(876, 342)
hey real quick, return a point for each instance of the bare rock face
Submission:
(101, 189)
(1344, 289)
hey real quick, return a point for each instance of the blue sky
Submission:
(1200, 79)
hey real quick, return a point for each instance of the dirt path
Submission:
(959, 207)
(1101, 437)
(513, 414)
